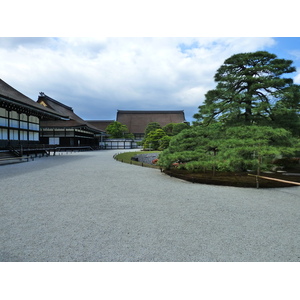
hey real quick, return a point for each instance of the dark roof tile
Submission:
(137, 120)
(11, 94)
(75, 120)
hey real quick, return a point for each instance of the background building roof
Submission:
(137, 120)
(100, 124)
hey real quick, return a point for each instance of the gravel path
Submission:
(88, 207)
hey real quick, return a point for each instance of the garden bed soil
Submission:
(234, 179)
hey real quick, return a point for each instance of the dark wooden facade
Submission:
(71, 132)
(20, 118)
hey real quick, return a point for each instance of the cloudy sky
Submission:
(98, 75)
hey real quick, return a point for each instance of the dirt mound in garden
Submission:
(235, 179)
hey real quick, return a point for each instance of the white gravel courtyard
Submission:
(88, 207)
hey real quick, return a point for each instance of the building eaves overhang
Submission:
(10, 103)
(70, 126)
(46, 97)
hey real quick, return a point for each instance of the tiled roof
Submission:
(100, 124)
(10, 94)
(137, 120)
(74, 120)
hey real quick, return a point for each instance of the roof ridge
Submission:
(42, 94)
(149, 111)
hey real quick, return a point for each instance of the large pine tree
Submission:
(248, 87)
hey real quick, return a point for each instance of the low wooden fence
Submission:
(274, 179)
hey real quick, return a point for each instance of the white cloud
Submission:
(295, 54)
(297, 79)
(111, 73)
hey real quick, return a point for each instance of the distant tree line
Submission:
(117, 130)
(156, 137)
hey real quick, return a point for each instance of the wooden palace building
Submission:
(73, 132)
(20, 118)
(137, 120)
(48, 123)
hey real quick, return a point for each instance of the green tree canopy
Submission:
(191, 146)
(153, 138)
(118, 130)
(174, 128)
(168, 129)
(249, 86)
(164, 142)
(255, 147)
(285, 112)
(235, 148)
(151, 127)
(178, 127)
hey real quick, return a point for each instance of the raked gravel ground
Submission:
(88, 207)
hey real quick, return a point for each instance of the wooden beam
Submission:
(276, 179)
